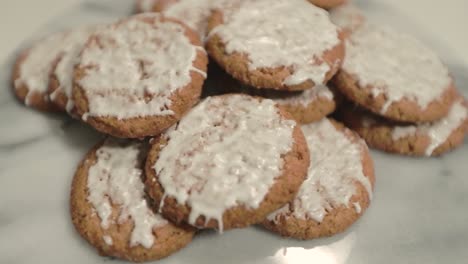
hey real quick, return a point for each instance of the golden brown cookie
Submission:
(328, 4)
(32, 71)
(139, 76)
(425, 139)
(228, 164)
(395, 76)
(259, 44)
(109, 208)
(338, 187)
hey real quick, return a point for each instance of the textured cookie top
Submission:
(280, 33)
(75, 41)
(336, 166)
(34, 70)
(225, 153)
(347, 16)
(116, 180)
(396, 65)
(131, 68)
(439, 131)
(306, 97)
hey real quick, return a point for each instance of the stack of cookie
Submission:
(259, 152)
(401, 97)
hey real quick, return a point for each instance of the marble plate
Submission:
(419, 213)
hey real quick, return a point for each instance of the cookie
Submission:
(32, 71)
(396, 76)
(194, 13)
(139, 76)
(229, 163)
(61, 83)
(328, 4)
(425, 139)
(348, 17)
(338, 187)
(305, 106)
(282, 45)
(109, 208)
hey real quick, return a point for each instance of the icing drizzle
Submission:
(226, 152)
(34, 71)
(438, 131)
(73, 43)
(132, 68)
(335, 168)
(115, 179)
(396, 65)
(280, 33)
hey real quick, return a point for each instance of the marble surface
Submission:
(418, 214)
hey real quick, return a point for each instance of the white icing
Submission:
(226, 152)
(146, 5)
(438, 131)
(336, 166)
(127, 61)
(306, 97)
(289, 33)
(72, 45)
(34, 71)
(358, 208)
(396, 65)
(108, 240)
(115, 179)
(347, 16)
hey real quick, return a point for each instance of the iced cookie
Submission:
(229, 163)
(394, 75)
(348, 17)
(281, 45)
(139, 76)
(32, 71)
(305, 106)
(61, 81)
(327, 4)
(194, 13)
(110, 210)
(426, 139)
(338, 187)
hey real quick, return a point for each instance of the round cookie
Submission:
(425, 139)
(348, 17)
(109, 208)
(338, 187)
(229, 163)
(305, 106)
(394, 75)
(328, 4)
(32, 71)
(282, 45)
(194, 13)
(61, 80)
(139, 76)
